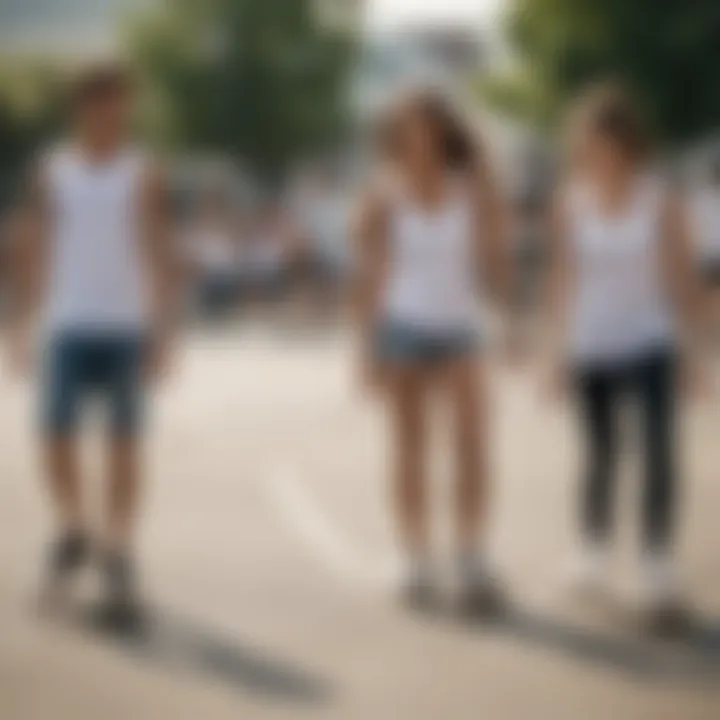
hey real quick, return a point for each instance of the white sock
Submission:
(659, 577)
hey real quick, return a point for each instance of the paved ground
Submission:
(265, 543)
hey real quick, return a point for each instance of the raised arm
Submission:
(682, 280)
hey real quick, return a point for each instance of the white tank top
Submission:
(432, 274)
(96, 278)
(621, 308)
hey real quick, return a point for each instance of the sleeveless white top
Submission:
(96, 278)
(621, 308)
(432, 275)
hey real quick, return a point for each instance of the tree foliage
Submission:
(259, 79)
(30, 114)
(666, 51)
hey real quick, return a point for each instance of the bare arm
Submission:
(561, 281)
(680, 275)
(370, 237)
(162, 258)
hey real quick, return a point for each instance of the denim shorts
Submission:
(80, 366)
(400, 343)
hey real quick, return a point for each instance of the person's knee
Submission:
(126, 421)
(464, 389)
(60, 417)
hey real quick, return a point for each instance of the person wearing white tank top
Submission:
(624, 298)
(427, 233)
(97, 269)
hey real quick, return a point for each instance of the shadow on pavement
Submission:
(178, 644)
(704, 639)
(692, 657)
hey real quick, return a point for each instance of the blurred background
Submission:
(265, 101)
(263, 110)
(261, 103)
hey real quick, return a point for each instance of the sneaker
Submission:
(67, 555)
(663, 609)
(587, 576)
(417, 586)
(481, 593)
(121, 609)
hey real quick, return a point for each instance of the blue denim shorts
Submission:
(80, 366)
(400, 343)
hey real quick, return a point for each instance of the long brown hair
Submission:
(609, 110)
(460, 148)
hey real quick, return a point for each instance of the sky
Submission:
(383, 14)
(49, 21)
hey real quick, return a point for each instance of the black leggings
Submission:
(652, 383)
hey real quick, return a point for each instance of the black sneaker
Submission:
(419, 595)
(67, 555)
(669, 620)
(482, 597)
(418, 591)
(121, 610)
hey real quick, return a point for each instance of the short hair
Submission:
(100, 81)
(609, 110)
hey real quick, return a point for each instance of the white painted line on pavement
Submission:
(314, 528)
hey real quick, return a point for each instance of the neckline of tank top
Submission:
(82, 157)
(640, 188)
(452, 193)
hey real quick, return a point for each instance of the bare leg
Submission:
(123, 490)
(63, 476)
(481, 594)
(466, 392)
(69, 551)
(121, 608)
(407, 396)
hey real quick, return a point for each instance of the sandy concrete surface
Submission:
(264, 547)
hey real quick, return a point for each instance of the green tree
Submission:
(30, 103)
(666, 51)
(259, 79)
